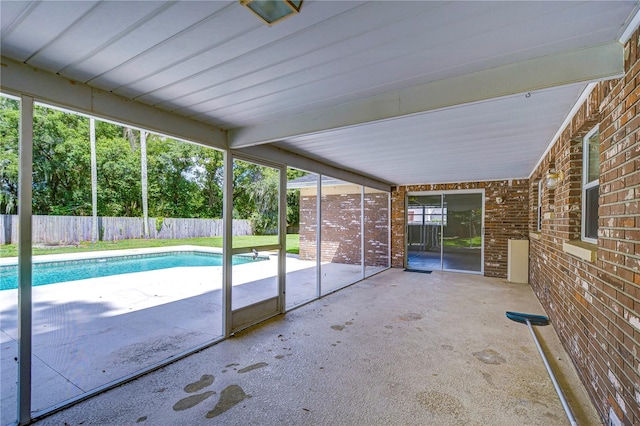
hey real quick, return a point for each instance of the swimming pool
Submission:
(71, 270)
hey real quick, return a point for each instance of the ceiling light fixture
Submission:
(272, 11)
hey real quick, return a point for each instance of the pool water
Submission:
(57, 272)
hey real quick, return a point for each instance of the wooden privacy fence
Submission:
(74, 229)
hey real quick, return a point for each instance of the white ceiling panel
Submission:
(12, 15)
(245, 41)
(334, 28)
(484, 46)
(358, 84)
(172, 61)
(21, 42)
(496, 139)
(93, 31)
(141, 38)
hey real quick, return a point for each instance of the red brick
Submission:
(614, 279)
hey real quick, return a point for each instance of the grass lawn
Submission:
(462, 242)
(293, 244)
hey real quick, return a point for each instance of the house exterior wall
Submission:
(341, 226)
(594, 304)
(503, 221)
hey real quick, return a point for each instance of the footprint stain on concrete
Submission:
(141, 419)
(191, 401)
(348, 323)
(205, 380)
(338, 327)
(488, 378)
(447, 347)
(410, 316)
(489, 356)
(253, 367)
(230, 396)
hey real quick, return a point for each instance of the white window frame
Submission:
(587, 185)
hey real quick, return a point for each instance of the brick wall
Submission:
(376, 229)
(595, 305)
(341, 223)
(502, 221)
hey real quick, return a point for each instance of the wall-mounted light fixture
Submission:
(272, 11)
(499, 200)
(553, 177)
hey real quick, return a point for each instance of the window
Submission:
(427, 215)
(590, 185)
(540, 188)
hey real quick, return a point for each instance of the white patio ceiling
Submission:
(406, 92)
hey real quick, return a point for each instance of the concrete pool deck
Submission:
(87, 333)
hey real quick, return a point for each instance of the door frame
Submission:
(246, 316)
(441, 194)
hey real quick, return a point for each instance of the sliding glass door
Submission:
(462, 232)
(424, 232)
(444, 231)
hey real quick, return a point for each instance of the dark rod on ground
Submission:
(531, 320)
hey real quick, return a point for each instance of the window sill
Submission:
(535, 235)
(580, 249)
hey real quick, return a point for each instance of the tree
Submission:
(293, 198)
(143, 173)
(173, 191)
(9, 161)
(263, 194)
(90, 167)
(209, 175)
(94, 182)
(61, 163)
(118, 173)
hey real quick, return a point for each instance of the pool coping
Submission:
(64, 257)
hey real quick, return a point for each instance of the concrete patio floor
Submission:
(397, 348)
(87, 333)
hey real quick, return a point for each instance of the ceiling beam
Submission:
(584, 65)
(291, 159)
(20, 79)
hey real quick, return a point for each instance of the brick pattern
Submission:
(340, 232)
(595, 307)
(501, 221)
(376, 229)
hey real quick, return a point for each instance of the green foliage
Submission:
(255, 196)
(9, 165)
(119, 192)
(61, 163)
(293, 244)
(184, 180)
(293, 198)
